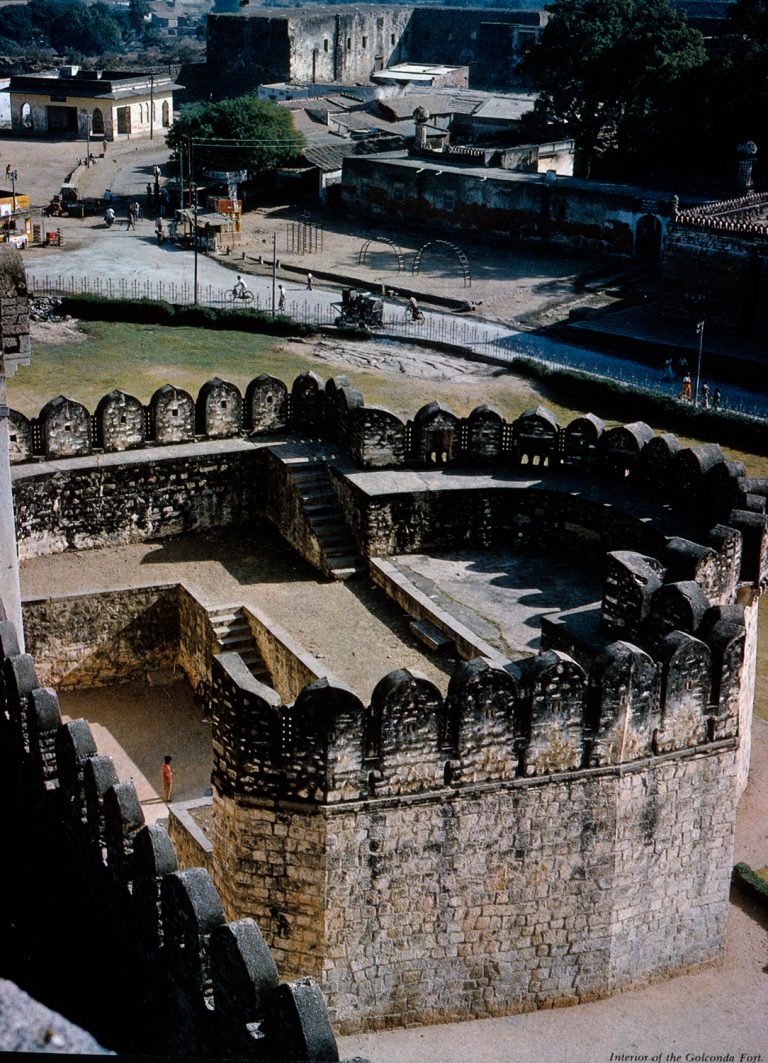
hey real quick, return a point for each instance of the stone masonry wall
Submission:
(724, 275)
(98, 639)
(471, 904)
(116, 498)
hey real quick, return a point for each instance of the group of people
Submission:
(710, 399)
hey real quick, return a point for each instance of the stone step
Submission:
(430, 635)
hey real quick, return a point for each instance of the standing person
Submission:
(669, 373)
(685, 390)
(131, 217)
(705, 396)
(136, 211)
(167, 773)
(8, 171)
(281, 298)
(310, 279)
(716, 399)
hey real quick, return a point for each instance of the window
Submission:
(325, 45)
(349, 44)
(392, 39)
(26, 116)
(365, 42)
(97, 121)
(166, 114)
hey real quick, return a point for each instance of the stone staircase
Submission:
(325, 517)
(233, 634)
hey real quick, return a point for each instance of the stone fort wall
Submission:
(715, 263)
(565, 822)
(345, 44)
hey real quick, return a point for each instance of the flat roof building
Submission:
(111, 105)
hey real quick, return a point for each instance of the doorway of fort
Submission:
(62, 119)
(648, 238)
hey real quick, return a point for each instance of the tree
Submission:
(246, 134)
(603, 66)
(89, 29)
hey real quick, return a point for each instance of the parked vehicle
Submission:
(359, 309)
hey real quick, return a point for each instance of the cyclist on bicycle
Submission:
(240, 288)
(413, 307)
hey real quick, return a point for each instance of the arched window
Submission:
(166, 114)
(26, 116)
(97, 121)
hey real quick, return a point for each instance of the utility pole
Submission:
(14, 174)
(274, 269)
(700, 334)
(181, 177)
(194, 225)
(151, 106)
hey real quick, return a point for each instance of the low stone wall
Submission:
(192, 845)
(117, 498)
(289, 664)
(420, 606)
(107, 637)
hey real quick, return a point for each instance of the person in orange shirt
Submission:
(167, 778)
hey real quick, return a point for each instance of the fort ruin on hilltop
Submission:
(548, 831)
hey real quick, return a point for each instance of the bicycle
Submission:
(233, 296)
(413, 315)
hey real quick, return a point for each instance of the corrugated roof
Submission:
(505, 107)
(329, 158)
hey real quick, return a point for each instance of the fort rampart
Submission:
(550, 830)
(715, 263)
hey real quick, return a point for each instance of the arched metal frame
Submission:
(462, 258)
(382, 240)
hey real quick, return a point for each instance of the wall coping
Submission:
(443, 794)
(181, 812)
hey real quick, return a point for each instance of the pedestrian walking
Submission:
(716, 399)
(167, 773)
(310, 279)
(705, 396)
(8, 170)
(131, 224)
(136, 211)
(281, 298)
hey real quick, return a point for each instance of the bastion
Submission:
(547, 831)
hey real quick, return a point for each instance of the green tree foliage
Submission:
(17, 27)
(252, 135)
(89, 29)
(604, 66)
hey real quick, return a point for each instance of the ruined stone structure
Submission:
(715, 263)
(448, 196)
(346, 44)
(550, 830)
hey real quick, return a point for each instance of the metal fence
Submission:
(484, 338)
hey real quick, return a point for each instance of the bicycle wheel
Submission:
(229, 297)
(249, 297)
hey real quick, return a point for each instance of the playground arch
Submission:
(381, 240)
(460, 256)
